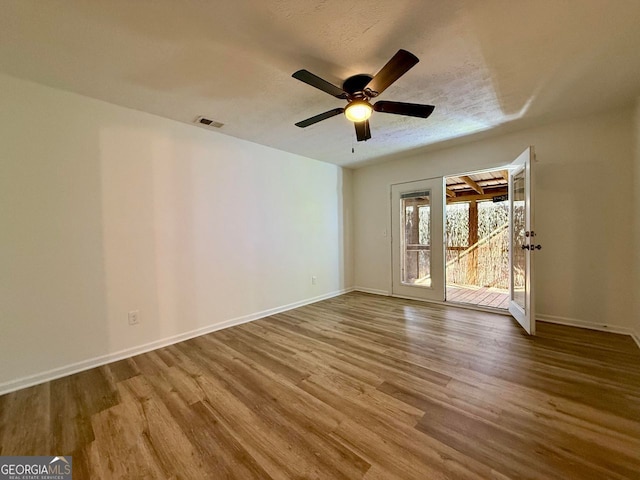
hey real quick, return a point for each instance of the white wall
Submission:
(105, 210)
(584, 274)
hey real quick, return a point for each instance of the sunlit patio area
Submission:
(480, 296)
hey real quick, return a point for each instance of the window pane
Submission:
(416, 238)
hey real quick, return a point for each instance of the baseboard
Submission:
(573, 322)
(31, 380)
(371, 290)
(636, 337)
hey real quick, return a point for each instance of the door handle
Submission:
(532, 247)
(525, 247)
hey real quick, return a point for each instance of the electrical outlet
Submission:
(314, 280)
(134, 317)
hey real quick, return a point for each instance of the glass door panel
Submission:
(522, 243)
(417, 239)
(518, 259)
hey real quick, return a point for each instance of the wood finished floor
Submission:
(355, 387)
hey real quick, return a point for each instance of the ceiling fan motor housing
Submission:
(356, 84)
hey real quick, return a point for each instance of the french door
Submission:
(417, 239)
(522, 241)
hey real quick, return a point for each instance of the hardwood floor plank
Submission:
(74, 401)
(262, 356)
(204, 446)
(149, 363)
(184, 383)
(355, 387)
(284, 436)
(123, 370)
(503, 448)
(25, 427)
(408, 453)
(121, 449)
(70, 419)
(386, 435)
(276, 409)
(594, 452)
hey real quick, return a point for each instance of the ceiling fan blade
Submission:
(401, 108)
(363, 132)
(315, 81)
(399, 64)
(320, 117)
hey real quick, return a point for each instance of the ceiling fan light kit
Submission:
(358, 111)
(359, 89)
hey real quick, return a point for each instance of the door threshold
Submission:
(480, 308)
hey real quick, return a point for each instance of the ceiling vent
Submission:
(207, 122)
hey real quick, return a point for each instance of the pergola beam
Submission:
(474, 186)
(492, 182)
(474, 196)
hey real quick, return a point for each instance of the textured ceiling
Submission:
(486, 65)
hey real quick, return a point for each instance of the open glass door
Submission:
(522, 241)
(417, 239)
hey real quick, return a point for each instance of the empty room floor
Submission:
(354, 387)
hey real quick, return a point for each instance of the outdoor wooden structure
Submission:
(472, 189)
(480, 296)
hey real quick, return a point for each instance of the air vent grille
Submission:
(207, 122)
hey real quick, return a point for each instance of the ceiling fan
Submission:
(358, 90)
